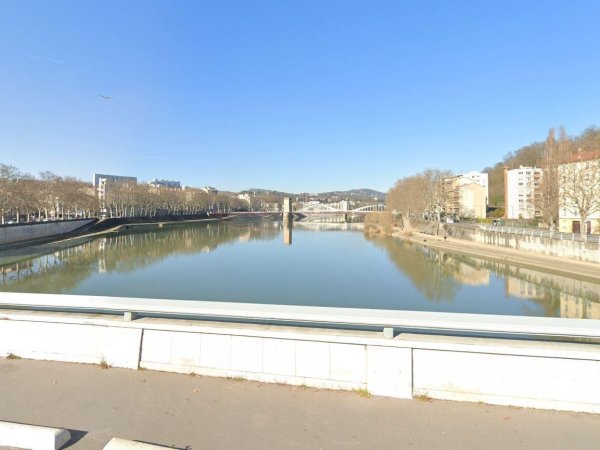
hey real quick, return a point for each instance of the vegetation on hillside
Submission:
(424, 193)
(540, 154)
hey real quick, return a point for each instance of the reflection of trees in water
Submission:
(64, 268)
(47, 273)
(432, 272)
(438, 275)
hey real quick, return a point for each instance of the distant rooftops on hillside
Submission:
(172, 184)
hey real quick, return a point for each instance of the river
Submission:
(307, 264)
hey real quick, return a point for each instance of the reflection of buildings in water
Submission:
(246, 237)
(560, 295)
(530, 284)
(472, 276)
(62, 268)
(101, 264)
(574, 307)
(464, 270)
(522, 288)
(101, 258)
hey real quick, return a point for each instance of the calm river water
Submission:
(313, 264)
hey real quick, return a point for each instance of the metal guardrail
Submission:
(314, 315)
(521, 231)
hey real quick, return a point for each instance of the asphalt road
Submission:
(213, 413)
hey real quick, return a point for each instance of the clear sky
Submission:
(308, 95)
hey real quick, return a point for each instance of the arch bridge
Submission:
(340, 207)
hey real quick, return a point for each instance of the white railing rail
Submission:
(534, 232)
(351, 317)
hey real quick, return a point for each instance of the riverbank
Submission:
(553, 264)
(110, 226)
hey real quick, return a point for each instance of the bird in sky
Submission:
(105, 97)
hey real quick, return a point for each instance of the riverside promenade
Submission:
(192, 412)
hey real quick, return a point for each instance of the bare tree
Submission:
(547, 196)
(580, 189)
(424, 194)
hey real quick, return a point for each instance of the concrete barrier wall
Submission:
(519, 373)
(584, 251)
(11, 234)
(73, 342)
(572, 249)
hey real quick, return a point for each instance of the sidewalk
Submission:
(555, 264)
(213, 413)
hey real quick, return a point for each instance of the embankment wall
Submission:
(15, 233)
(566, 248)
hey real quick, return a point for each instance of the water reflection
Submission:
(63, 267)
(330, 264)
(439, 275)
(288, 224)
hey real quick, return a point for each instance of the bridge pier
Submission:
(287, 207)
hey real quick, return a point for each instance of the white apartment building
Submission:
(521, 186)
(103, 183)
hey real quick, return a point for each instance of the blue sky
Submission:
(289, 95)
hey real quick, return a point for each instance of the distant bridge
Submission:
(310, 209)
(338, 208)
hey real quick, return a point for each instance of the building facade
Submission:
(466, 197)
(480, 178)
(103, 183)
(210, 190)
(579, 184)
(169, 184)
(522, 190)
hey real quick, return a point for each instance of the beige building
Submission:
(479, 178)
(581, 180)
(466, 197)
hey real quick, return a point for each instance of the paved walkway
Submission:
(213, 413)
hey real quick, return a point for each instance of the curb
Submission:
(32, 436)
